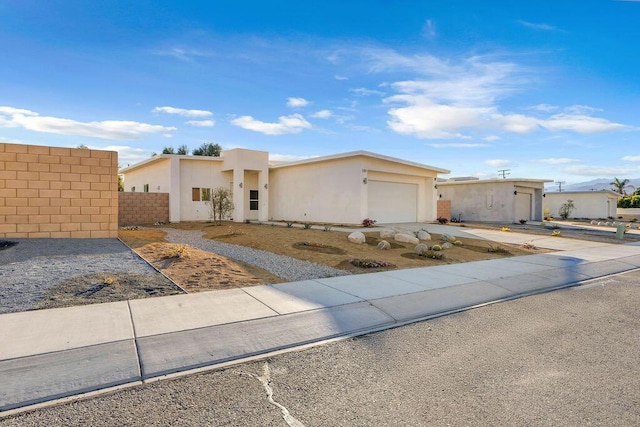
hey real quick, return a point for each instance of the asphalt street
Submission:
(568, 357)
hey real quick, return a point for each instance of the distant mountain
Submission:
(593, 185)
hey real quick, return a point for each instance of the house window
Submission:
(146, 188)
(206, 194)
(195, 194)
(253, 200)
(133, 189)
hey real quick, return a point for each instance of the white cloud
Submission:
(322, 114)
(492, 138)
(366, 92)
(182, 112)
(498, 163)
(556, 161)
(337, 77)
(361, 128)
(543, 27)
(600, 171)
(459, 145)
(182, 54)
(295, 123)
(517, 123)
(429, 29)
(544, 107)
(580, 124)
(297, 102)
(126, 155)
(631, 158)
(108, 129)
(202, 123)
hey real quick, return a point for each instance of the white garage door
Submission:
(392, 201)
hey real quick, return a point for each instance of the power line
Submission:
(559, 184)
(504, 173)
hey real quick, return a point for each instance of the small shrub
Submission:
(566, 209)
(247, 221)
(436, 248)
(327, 228)
(307, 226)
(506, 229)
(457, 243)
(368, 222)
(369, 263)
(497, 250)
(108, 280)
(523, 221)
(555, 233)
(432, 255)
(442, 220)
(289, 224)
(528, 245)
(179, 251)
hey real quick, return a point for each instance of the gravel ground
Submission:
(32, 266)
(282, 266)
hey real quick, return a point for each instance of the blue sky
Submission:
(547, 89)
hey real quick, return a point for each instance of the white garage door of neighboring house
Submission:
(392, 201)
(523, 206)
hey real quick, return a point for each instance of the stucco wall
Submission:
(322, 192)
(55, 192)
(492, 200)
(587, 204)
(142, 208)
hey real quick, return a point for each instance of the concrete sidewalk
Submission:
(51, 354)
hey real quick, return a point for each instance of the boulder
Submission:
(387, 234)
(594, 222)
(400, 230)
(421, 248)
(447, 245)
(356, 237)
(423, 235)
(447, 238)
(407, 238)
(383, 244)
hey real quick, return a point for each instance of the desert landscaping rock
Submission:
(447, 238)
(400, 230)
(423, 235)
(387, 234)
(30, 268)
(384, 245)
(407, 238)
(421, 248)
(357, 237)
(447, 245)
(282, 266)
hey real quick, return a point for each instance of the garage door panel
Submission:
(392, 201)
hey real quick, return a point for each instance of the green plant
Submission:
(289, 224)
(307, 226)
(523, 221)
(369, 263)
(108, 280)
(327, 228)
(247, 221)
(497, 250)
(457, 243)
(432, 255)
(555, 233)
(436, 248)
(546, 213)
(368, 222)
(442, 220)
(506, 229)
(208, 149)
(566, 209)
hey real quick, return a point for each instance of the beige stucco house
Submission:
(494, 200)
(342, 188)
(588, 204)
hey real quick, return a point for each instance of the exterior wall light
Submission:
(364, 181)
(240, 185)
(266, 186)
(515, 192)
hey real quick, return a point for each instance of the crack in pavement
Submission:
(265, 380)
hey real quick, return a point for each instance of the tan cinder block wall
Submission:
(142, 208)
(56, 192)
(444, 209)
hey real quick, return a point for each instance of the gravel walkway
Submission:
(32, 266)
(283, 266)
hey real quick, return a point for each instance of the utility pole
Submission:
(504, 173)
(559, 184)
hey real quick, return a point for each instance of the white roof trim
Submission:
(359, 153)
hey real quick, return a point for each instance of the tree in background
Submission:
(566, 209)
(208, 149)
(168, 150)
(182, 150)
(220, 204)
(619, 185)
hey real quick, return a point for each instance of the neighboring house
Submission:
(588, 204)
(494, 200)
(343, 188)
